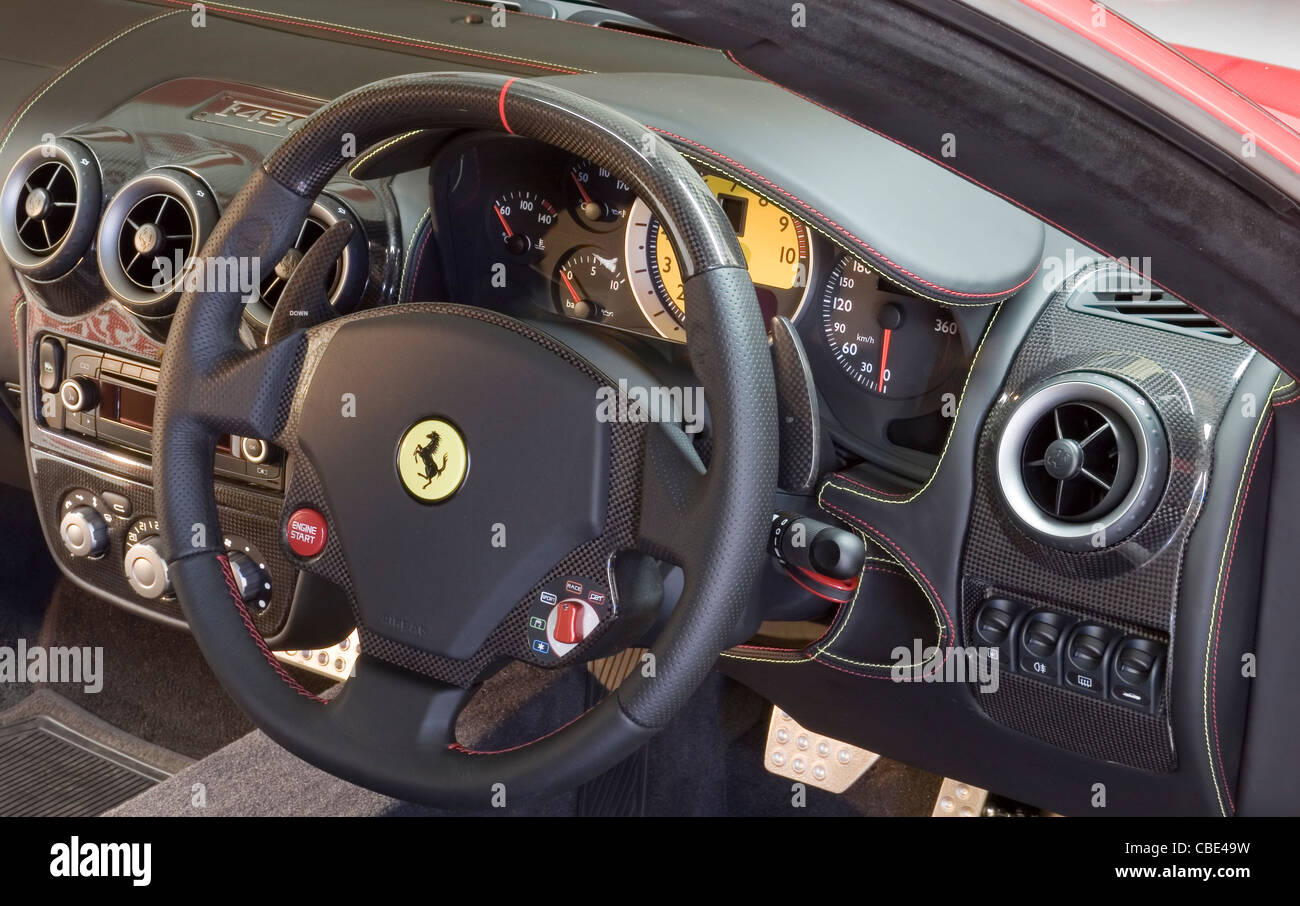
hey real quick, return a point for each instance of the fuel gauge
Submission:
(587, 284)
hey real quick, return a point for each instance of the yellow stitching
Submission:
(838, 242)
(1218, 585)
(944, 452)
(374, 152)
(825, 649)
(218, 7)
(410, 244)
(13, 127)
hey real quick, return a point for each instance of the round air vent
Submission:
(49, 205)
(346, 282)
(1082, 461)
(151, 230)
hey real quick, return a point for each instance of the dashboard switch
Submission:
(50, 363)
(84, 532)
(1137, 667)
(1085, 658)
(994, 625)
(815, 546)
(1041, 635)
(305, 532)
(568, 628)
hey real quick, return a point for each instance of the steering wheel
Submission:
(418, 433)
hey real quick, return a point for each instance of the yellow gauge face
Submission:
(774, 243)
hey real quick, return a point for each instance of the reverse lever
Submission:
(813, 545)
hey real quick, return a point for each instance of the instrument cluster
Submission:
(531, 230)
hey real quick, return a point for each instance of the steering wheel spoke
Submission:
(672, 479)
(250, 392)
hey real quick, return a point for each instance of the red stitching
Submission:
(868, 487)
(1002, 195)
(844, 230)
(423, 45)
(898, 550)
(257, 636)
(501, 104)
(523, 745)
(1218, 624)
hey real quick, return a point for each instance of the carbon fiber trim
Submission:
(1132, 584)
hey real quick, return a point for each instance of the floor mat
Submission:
(58, 760)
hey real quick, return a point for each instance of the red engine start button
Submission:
(306, 532)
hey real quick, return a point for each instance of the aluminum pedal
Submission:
(959, 800)
(797, 753)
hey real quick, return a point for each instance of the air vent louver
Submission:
(157, 233)
(1082, 461)
(273, 283)
(47, 203)
(1152, 308)
(48, 207)
(347, 281)
(1078, 461)
(150, 231)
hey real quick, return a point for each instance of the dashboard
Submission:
(927, 312)
(542, 234)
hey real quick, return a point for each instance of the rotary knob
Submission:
(146, 569)
(251, 579)
(78, 394)
(84, 532)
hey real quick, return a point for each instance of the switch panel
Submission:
(1085, 657)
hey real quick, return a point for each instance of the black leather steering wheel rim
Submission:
(390, 729)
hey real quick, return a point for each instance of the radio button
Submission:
(50, 363)
(78, 394)
(84, 532)
(255, 449)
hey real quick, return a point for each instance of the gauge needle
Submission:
(582, 190)
(573, 290)
(501, 217)
(884, 356)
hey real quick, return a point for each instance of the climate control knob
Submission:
(146, 569)
(84, 532)
(252, 580)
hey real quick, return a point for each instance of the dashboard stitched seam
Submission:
(1209, 709)
(374, 35)
(18, 115)
(1007, 198)
(380, 149)
(991, 298)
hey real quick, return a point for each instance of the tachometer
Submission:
(775, 243)
(888, 342)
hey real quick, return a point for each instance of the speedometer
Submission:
(774, 242)
(887, 341)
